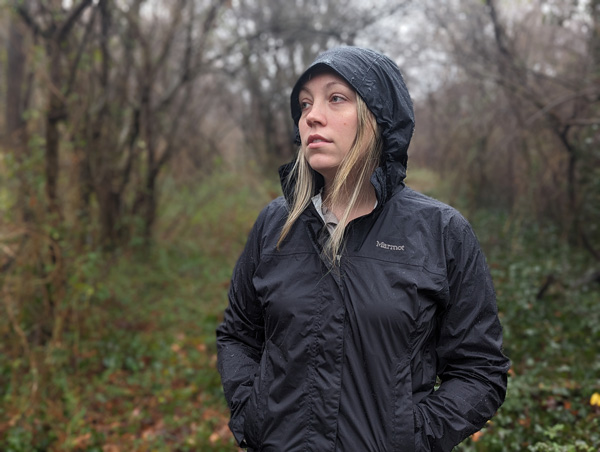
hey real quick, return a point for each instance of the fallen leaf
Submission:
(81, 441)
(110, 448)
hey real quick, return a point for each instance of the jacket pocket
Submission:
(254, 412)
(403, 422)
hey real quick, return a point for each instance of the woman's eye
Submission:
(304, 105)
(337, 98)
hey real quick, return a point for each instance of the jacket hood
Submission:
(378, 81)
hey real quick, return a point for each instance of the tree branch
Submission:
(29, 20)
(82, 45)
(64, 28)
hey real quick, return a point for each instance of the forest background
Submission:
(140, 138)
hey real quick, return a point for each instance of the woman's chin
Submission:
(327, 169)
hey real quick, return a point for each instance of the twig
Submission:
(550, 279)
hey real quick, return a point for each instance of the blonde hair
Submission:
(356, 169)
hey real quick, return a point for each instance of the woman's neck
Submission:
(363, 205)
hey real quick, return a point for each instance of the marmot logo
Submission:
(390, 247)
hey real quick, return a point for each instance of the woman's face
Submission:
(329, 122)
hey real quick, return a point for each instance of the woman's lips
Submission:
(316, 141)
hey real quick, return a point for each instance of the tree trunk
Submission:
(16, 101)
(55, 114)
(15, 74)
(595, 37)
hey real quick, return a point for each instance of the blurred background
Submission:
(140, 138)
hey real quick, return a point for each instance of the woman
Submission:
(355, 294)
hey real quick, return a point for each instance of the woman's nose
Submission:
(315, 115)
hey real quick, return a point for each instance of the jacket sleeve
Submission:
(240, 336)
(470, 362)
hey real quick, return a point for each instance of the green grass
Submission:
(137, 372)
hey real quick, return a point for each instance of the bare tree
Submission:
(53, 25)
(112, 87)
(272, 42)
(530, 99)
(149, 80)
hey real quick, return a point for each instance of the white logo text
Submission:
(390, 247)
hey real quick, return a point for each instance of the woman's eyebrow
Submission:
(326, 86)
(336, 82)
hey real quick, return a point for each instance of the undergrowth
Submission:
(549, 311)
(138, 370)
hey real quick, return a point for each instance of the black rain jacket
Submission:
(320, 359)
